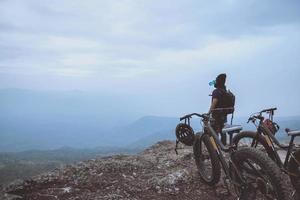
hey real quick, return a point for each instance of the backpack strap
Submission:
(231, 119)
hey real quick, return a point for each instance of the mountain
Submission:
(52, 119)
(22, 165)
(128, 139)
(45, 120)
(156, 173)
(145, 131)
(151, 129)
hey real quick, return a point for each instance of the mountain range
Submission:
(52, 120)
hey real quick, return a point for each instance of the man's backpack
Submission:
(228, 101)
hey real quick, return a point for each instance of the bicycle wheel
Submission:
(294, 171)
(207, 160)
(245, 139)
(261, 176)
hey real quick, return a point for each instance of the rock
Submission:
(156, 173)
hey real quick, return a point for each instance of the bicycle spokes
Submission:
(256, 180)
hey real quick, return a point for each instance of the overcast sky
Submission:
(160, 53)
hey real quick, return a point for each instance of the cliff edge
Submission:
(156, 173)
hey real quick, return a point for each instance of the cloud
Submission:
(163, 51)
(137, 39)
(71, 72)
(62, 43)
(219, 51)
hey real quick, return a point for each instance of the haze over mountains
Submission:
(52, 120)
(41, 131)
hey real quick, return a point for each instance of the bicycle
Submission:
(251, 173)
(264, 138)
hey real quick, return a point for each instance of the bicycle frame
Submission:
(231, 167)
(218, 146)
(271, 140)
(246, 177)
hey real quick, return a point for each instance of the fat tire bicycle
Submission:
(251, 173)
(264, 139)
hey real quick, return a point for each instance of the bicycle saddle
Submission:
(232, 129)
(292, 132)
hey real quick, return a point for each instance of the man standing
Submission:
(218, 98)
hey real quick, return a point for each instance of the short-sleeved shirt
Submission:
(218, 94)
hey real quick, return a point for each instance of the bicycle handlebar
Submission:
(268, 110)
(254, 117)
(259, 116)
(205, 116)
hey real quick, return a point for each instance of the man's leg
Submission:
(223, 135)
(218, 126)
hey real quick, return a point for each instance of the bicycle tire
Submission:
(215, 175)
(294, 170)
(261, 140)
(269, 169)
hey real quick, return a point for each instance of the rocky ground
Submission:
(156, 173)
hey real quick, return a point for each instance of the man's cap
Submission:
(220, 80)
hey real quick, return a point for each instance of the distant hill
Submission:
(145, 131)
(51, 120)
(168, 129)
(46, 120)
(21, 165)
(130, 138)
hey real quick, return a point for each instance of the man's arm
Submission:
(213, 104)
